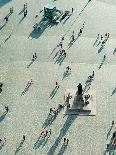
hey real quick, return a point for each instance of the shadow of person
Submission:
(66, 126)
(102, 62)
(3, 116)
(114, 91)
(22, 11)
(100, 49)
(56, 54)
(45, 141)
(39, 142)
(62, 60)
(0, 90)
(109, 131)
(19, 147)
(53, 93)
(66, 74)
(21, 19)
(62, 150)
(2, 26)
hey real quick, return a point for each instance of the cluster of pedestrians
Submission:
(101, 41)
(60, 56)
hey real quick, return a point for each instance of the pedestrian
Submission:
(46, 132)
(72, 10)
(50, 131)
(35, 55)
(104, 56)
(11, 10)
(64, 140)
(25, 6)
(51, 110)
(73, 38)
(64, 54)
(101, 37)
(25, 13)
(93, 74)
(67, 141)
(23, 137)
(30, 82)
(80, 31)
(6, 18)
(60, 44)
(112, 123)
(62, 38)
(7, 108)
(57, 86)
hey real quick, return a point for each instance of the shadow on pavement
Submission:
(53, 93)
(20, 146)
(66, 126)
(62, 150)
(3, 116)
(49, 120)
(40, 28)
(114, 91)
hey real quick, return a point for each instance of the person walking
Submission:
(11, 10)
(72, 10)
(7, 109)
(23, 137)
(93, 74)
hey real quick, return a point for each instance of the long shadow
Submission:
(45, 141)
(19, 147)
(40, 28)
(3, 2)
(3, 116)
(62, 150)
(66, 126)
(21, 19)
(84, 8)
(77, 17)
(49, 120)
(109, 131)
(22, 11)
(102, 63)
(114, 91)
(2, 26)
(100, 49)
(61, 60)
(56, 54)
(87, 84)
(0, 90)
(66, 19)
(72, 42)
(25, 90)
(65, 74)
(31, 63)
(39, 142)
(53, 93)
(8, 38)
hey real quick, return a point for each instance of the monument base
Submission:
(78, 104)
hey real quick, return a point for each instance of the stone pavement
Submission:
(27, 113)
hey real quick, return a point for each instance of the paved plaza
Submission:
(27, 115)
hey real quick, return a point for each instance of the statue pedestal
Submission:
(79, 105)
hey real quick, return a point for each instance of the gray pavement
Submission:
(27, 113)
